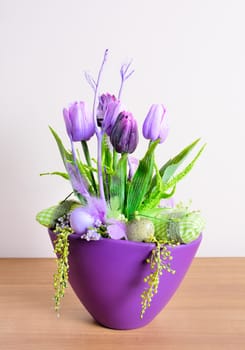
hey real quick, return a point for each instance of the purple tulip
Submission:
(155, 125)
(114, 108)
(79, 122)
(104, 101)
(124, 134)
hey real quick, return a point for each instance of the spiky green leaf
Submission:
(118, 182)
(66, 156)
(64, 175)
(141, 180)
(175, 179)
(169, 168)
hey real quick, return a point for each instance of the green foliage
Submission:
(159, 261)
(118, 182)
(66, 156)
(64, 175)
(61, 249)
(48, 217)
(139, 185)
(174, 180)
(163, 181)
(168, 169)
(90, 174)
(178, 225)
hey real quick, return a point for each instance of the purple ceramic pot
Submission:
(108, 278)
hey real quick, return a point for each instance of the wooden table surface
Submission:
(207, 312)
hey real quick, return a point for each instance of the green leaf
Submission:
(169, 168)
(64, 175)
(66, 156)
(118, 181)
(114, 208)
(48, 217)
(139, 185)
(172, 165)
(106, 165)
(106, 153)
(174, 180)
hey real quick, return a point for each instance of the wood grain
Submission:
(207, 312)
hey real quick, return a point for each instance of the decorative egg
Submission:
(140, 230)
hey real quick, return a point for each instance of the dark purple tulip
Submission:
(155, 125)
(104, 101)
(79, 122)
(114, 108)
(124, 134)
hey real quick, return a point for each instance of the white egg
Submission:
(140, 230)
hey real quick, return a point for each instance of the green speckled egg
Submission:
(140, 230)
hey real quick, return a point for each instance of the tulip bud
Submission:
(79, 122)
(155, 125)
(104, 101)
(124, 134)
(114, 108)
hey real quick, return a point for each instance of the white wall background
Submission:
(188, 54)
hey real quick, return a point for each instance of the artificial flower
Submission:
(79, 122)
(155, 125)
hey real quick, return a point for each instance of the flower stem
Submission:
(88, 160)
(98, 131)
(84, 192)
(115, 159)
(99, 160)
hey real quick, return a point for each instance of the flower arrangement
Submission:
(117, 196)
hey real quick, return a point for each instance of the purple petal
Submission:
(97, 208)
(78, 183)
(167, 203)
(117, 229)
(133, 164)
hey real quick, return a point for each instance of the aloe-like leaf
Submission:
(155, 198)
(172, 165)
(66, 156)
(169, 168)
(175, 179)
(64, 175)
(106, 165)
(106, 153)
(118, 181)
(139, 185)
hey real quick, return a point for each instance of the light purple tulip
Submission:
(124, 134)
(155, 125)
(113, 110)
(79, 122)
(104, 101)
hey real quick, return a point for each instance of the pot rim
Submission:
(76, 236)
